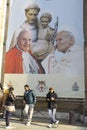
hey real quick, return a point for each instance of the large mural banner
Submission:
(45, 47)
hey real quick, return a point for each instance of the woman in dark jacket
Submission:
(9, 106)
(51, 99)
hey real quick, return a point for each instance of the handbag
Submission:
(10, 108)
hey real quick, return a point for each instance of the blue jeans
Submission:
(52, 114)
(29, 109)
(8, 115)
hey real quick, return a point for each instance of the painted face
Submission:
(63, 42)
(44, 22)
(24, 41)
(31, 15)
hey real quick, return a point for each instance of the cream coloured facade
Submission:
(2, 20)
(2, 24)
(4, 13)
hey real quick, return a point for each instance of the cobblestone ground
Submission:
(40, 124)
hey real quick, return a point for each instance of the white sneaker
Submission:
(50, 126)
(1, 113)
(28, 123)
(57, 122)
(9, 127)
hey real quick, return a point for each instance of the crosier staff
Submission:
(53, 37)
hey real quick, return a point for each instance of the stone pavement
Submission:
(40, 124)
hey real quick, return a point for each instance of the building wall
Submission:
(85, 48)
(63, 104)
(2, 16)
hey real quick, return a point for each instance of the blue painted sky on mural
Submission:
(69, 12)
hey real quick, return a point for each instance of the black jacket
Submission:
(51, 103)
